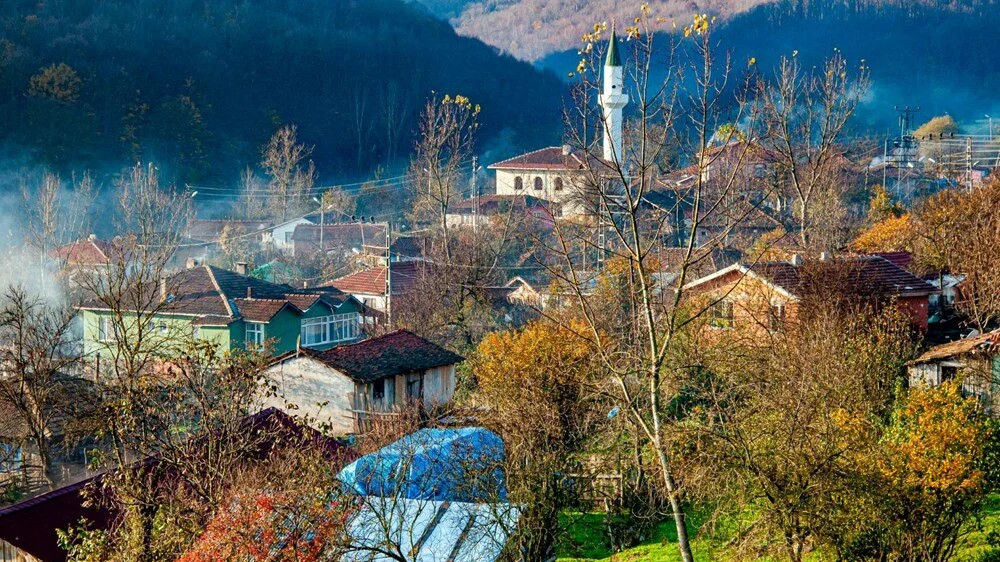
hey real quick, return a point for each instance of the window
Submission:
(415, 387)
(288, 237)
(255, 335)
(948, 373)
(195, 332)
(329, 329)
(518, 182)
(105, 329)
(538, 184)
(559, 184)
(162, 327)
(776, 317)
(722, 315)
(10, 457)
(378, 389)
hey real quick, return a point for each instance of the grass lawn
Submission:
(586, 544)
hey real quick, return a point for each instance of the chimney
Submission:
(163, 289)
(824, 256)
(241, 267)
(566, 149)
(92, 237)
(249, 292)
(191, 263)
(796, 260)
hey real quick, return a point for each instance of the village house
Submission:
(29, 529)
(377, 375)
(345, 238)
(766, 295)
(480, 211)
(235, 311)
(974, 360)
(86, 256)
(370, 285)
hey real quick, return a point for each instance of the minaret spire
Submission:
(613, 99)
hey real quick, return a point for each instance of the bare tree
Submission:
(36, 359)
(636, 341)
(447, 139)
(285, 160)
(253, 200)
(805, 115)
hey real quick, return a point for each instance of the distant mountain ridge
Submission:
(198, 86)
(533, 29)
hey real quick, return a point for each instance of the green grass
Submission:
(586, 544)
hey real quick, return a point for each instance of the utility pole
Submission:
(475, 195)
(968, 162)
(388, 276)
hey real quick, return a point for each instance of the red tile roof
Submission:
(85, 251)
(867, 273)
(392, 354)
(550, 158)
(406, 276)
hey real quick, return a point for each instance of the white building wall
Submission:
(306, 383)
(565, 196)
(281, 235)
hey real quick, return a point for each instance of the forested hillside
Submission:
(199, 85)
(532, 29)
(937, 55)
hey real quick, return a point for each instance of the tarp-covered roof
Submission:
(462, 464)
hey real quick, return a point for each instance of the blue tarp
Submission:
(463, 465)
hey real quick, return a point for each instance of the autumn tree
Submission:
(537, 385)
(783, 418)
(929, 475)
(292, 174)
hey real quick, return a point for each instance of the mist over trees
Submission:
(198, 86)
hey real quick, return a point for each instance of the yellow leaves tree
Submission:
(933, 471)
(58, 82)
(893, 234)
(533, 384)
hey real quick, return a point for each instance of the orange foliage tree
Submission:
(933, 469)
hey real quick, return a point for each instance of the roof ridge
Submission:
(218, 288)
(523, 154)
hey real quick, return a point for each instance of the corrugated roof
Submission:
(983, 343)
(431, 531)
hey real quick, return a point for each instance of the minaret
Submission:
(613, 99)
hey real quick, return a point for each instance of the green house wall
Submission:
(282, 332)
